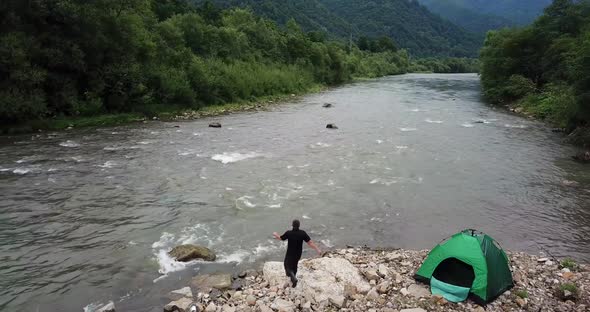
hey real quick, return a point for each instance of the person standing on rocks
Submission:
(295, 239)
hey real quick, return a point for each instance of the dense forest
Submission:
(543, 68)
(409, 24)
(84, 58)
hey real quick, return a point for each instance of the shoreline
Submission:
(379, 279)
(107, 120)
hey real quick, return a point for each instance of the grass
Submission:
(522, 293)
(568, 263)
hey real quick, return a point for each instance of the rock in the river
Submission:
(180, 293)
(109, 307)
(331, 126)
(327, 105)
(413, 310)
(215, 125)
(185, 253)
(181, 305)
(215, 281)
(583, 156)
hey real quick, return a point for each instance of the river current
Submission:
(87, 215)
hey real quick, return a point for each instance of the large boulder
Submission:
(185, 253)
(321, 279)
(211, 281)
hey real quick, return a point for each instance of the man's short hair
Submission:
(296, 224)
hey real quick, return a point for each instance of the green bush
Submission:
(522, 293)
(568, 263)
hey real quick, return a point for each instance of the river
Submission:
(87, 215)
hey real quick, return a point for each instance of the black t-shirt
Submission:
(295, 240)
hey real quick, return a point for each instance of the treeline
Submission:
(85, 58)
(445, 65)
(543, 68)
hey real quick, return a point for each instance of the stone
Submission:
(479, 309)
(521, 302)
(371, 274)
(283, 305)
(251, 300)
(383, 287)
(413, 310)
(228, 308)
(319, 279)
(372, 295)
(542, 260)
(418, 291)
(338, 301)
(331, 126)
(214, 125)
(327, 105)
(383, 270)
(393, 256)
(181, 305)
(185, 253)
(568, 275)
(180, 293)
(212, 281)
(404, 291)
(264, 308)
(211, 307)
(349, 291)
(109, 307)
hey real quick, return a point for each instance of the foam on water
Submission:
(515, 126)
(21, 171)
(321, 144)
(274, 206)
(69, 143)
(379, 141)
(244, 201)
(227, 158)
(108, 164)
(407, 129)
(401, 147)
(306, 217)
(467, 125)
(433, 121)
(327, 243)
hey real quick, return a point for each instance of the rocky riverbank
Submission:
(357, 279)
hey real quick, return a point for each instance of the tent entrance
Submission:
(455, 272)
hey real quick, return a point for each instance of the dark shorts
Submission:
(291, 266)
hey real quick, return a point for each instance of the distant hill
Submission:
(408, 23)
(482, 15)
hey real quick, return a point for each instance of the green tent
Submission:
(467, 263)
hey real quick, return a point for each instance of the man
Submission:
(295, 239)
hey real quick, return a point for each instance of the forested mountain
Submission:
(80, 58)
(311, 15)
(544, 68)
(409, 24)
(483, 15)
(467, 18)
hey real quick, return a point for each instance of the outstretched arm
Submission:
(316, 248)
(277, 236)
